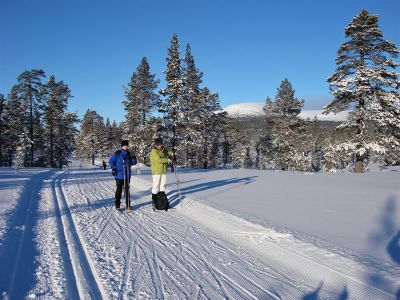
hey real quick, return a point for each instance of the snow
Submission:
(237, 234)
(311, 114)
(256, 109)
(245, 109)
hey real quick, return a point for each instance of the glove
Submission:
(114, 171)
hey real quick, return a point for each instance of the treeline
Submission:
(365, 83)
(186, 115)
(36, 129)
(189, 118)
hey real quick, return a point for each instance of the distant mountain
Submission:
(248, 109)
(245, 109)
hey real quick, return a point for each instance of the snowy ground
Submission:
(237, 234)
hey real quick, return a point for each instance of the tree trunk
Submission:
(358, 167)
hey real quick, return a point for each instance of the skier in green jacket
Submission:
(159, 159)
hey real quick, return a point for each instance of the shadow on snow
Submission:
(18, 250)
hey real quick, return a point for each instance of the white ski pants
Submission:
(159, 181)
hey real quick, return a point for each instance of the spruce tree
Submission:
(140, 101)
(56, 123)
(173, 103)
(90, 137)
(141, 98)
(109, 144)
(18, 127)
(365, 82)
(3, 129)
(264, 151)
(288, 128)
(211, 119)
(192, 100)
(69, 132)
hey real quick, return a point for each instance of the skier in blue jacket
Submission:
(120, 163)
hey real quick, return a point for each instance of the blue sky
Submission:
(244, 48)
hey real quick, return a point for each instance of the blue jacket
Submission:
(120, 159)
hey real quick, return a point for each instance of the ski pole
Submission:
(123, 168)
(178, 184)
(126, 187)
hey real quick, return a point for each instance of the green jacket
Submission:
(159, 160)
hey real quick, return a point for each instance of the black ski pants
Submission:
(118, 193)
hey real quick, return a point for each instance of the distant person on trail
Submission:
(104, 165)
(120, 163)
(159, 159)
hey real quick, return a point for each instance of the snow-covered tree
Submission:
(57, 95)
(90, 139)
(4, 129)
(172, 105)
(140, 101)
(365, 82)
(23, 149)
(315, 145)
(288, 129)
(14, 114)
(264, 152)
(30, 92)
(211, 119)
(193, 100)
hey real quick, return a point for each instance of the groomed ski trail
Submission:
(193, 252)
(190, 252)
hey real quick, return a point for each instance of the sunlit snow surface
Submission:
(237, 234)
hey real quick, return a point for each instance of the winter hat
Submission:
(124, 143)
(158, 141)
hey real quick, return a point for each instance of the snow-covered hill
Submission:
(247, 109)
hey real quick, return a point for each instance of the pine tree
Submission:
(264, 151)
(192, 100)
(211, 119)
(30, 91)
(140, 100)
(365, 81)
(56, 130)
(140, 95)
(15, 112)
(90, 137)
(68, 144)
(173, 104)
(270, 107)
(288, 129)
(3, 129)
(109, 144)
(315, 145)
(23, 149)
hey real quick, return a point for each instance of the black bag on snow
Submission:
(161, 201)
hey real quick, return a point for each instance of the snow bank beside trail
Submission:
(309, 260)
(12, 183)
(359, 212)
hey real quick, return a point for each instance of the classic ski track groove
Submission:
(127, 268)
(86, 278)
(72, 290)
(231, 280)
(211, 268)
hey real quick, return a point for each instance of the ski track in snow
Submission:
(189, 252)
